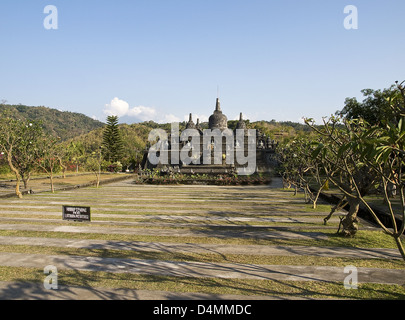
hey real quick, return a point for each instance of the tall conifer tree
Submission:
(112, 140)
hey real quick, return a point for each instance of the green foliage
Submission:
(134, 138)
(112, 142)
(284, 131)
(4, 168)
(47, 153)
(95, 163)
(75, 153)
(18, 141)
(363, 155)
(155, 177)
(377, 108)
(299, 167)
(115, 167)
(65, 125)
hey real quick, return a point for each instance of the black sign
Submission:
(76, 213)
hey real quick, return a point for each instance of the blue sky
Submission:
(162, 59)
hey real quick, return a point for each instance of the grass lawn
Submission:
(139, 204)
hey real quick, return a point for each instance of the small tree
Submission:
(61, 155)
(340, 156)
(75, 152)
(384, 152)
(363, 154)
(297, 168)
(18, 140)
(48, 156)
(95, 163)
(24, 155)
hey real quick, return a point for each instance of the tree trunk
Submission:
(17, 186)
(17, 176)
(63, 168)
(305, 196)
(340, 205)
(25, 180)
(400, 246)
(309, 196)
(51, 178)
(350, 224)
(316, 198)
(318, 194)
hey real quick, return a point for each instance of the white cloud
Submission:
(120, 108)
(117, 108)
(168, 118)
(142, 113)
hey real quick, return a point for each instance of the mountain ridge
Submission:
(64, 124)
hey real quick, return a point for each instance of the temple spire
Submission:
(241, 124)
(190, 124)
(198, 126)
(218, 120)
(218, 105)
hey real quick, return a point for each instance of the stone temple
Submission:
(263, 148)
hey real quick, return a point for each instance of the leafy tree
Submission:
(18, 140)
(384, 152)
(75, 152)
(339, 154)
(96, 164)
(48, 154)
(61, 153)
(377, 108)
(24, 155)
(299, 169)
(360, 156)
(112, 140)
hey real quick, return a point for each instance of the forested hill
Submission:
(63, 124)
(70, 125)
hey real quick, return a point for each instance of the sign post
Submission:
(76, 213)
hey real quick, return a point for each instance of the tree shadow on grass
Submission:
(82, 277)
(203, 277)
(23, 290)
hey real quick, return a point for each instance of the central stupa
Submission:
(218, 120)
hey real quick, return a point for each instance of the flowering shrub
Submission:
(115, 167)
(204, 179)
